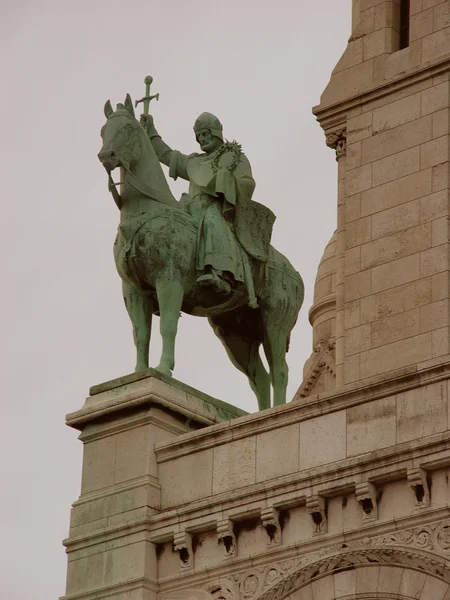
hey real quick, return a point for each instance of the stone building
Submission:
(342, 494)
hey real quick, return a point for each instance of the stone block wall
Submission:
(393, 287)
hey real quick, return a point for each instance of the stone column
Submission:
(338, 141)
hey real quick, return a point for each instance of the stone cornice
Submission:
(152, 390)
(290, 490)
(333, 116)
(109, 591)
(302, 409)
(325, 304)
(286, 491)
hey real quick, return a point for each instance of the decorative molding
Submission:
(270, 522)
(417, 479)
(426, 548)
(366, 495)
(322, 360)
(335, 115)
(337, 140)
(316, 507)
(253, 582)
(324, 305)
(362, 392)
(225, 535)
(182, 543)
(350, 559)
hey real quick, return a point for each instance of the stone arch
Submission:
(367, 574)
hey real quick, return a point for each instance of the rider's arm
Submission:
(176, 161)
(163, 150)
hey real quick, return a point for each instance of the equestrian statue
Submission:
(207, 255)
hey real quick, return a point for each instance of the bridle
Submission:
(143, 188)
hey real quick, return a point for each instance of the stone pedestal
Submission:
(109, 551)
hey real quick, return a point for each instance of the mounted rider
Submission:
(220, 200)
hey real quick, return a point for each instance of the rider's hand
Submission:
(147, 122)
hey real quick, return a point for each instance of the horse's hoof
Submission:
(164, 370)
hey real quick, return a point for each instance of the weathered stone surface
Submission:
(397, 166)
(234, 465)
(277, 452)
(393, 356)
(395, 219)
(395, 246)
(396, 192)
(412, 583)
(345, 584)
(422, 412)
(398, 272)
(397, 113)
(330, 428)
(396, 140)
(396, 327)
(434, 152)
(436, 45)
(397, 300)
(198, 485)
(371, 426)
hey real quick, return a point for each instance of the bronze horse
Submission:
(155, 256)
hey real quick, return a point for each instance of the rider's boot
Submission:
(214, 278)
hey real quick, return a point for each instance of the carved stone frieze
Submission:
(403, 547)
(350, 559)
(254, 582)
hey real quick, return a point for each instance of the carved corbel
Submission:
(316, 507)
(366, 496)
(225, 535)
(337, 140)
(182, 543)
(417, 480)
(270, 522)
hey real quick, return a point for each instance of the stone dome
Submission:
(319, 370)
(322, 314)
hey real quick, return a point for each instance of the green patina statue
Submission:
(208, 254)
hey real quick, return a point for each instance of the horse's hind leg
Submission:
(244, 354)
(170, 298)
(140, 309)
(275, 347)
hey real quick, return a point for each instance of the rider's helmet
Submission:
(208, 121)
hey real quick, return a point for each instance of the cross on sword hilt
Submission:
(147, 98)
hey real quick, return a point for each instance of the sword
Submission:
(147, 98)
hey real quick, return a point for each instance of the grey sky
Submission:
(260, 66)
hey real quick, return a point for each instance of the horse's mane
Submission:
(161, 183)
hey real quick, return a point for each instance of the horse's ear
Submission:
(129, 105)
(108, 109)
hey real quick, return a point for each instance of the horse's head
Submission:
(121, 136)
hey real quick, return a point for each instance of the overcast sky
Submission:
(260, 66)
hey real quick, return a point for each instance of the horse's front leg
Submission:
(170, 297)
(140, 309)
